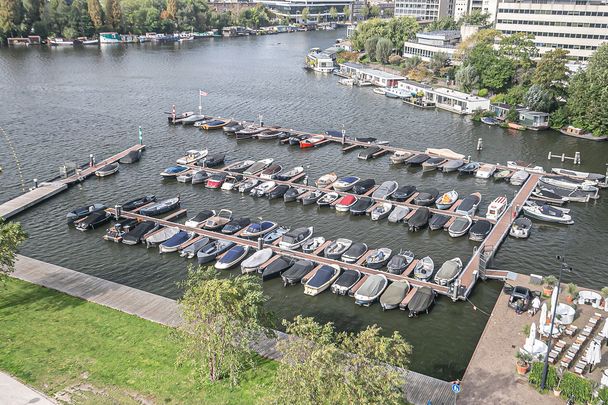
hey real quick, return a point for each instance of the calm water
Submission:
(62, 104)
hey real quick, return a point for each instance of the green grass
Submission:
(52, 341)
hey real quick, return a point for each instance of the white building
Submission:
(463, 7)
(422, 10)
(428, 44)
(292, 9)
(578, 26)
(458, 102)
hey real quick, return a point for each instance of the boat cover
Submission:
(420, 217)
(422, 300)
(448, 270)
(371, 287)
(257, 259)
(355, 251)
(297, 271)
(395, 293)
(322, 276)
(437, 221)
(348, 278)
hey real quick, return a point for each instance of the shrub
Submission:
(536, 375)
(483, 92)
(394, 59)
(370, 47)
(579, 388)
(550, 281)
(383, 50)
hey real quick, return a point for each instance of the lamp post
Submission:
(563, 266)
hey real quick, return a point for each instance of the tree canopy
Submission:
(11, 237)
(397, 30)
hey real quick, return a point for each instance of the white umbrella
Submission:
(531, 336)
(542, 322)
(554, 298)
(604, 331)
(593, 355)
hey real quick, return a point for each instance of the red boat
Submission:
(312, 141)
(345, 202)
(216, 180)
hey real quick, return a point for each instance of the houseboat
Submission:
(319, 61)
(534, 120)
(109, 38)
(580, 133)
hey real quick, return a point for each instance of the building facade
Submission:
(422, 10)
(428, 44)
(292, 9)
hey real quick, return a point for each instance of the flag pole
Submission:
(200, 103)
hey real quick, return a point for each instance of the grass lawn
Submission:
(58, 343)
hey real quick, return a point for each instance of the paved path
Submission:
(14, 392)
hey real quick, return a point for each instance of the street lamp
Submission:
(563, 266)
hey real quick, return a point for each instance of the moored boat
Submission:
(354, 252)
(448, 271)
(277, 267)
(469, 204)
(335, 249)
(344, 203)
(497, 208)
(296, 272)
(385, 190)
(399, 262)
(460, 226)
(480, 230)
(426, 197)
(419, 220)
(378, 258)
(219, 220)
(160, 207)
(423, 270)
(371, 289)
(232, 257)
(347, 280)
(547, 213)
(345, 183)
(107, 170)
(296, 238)
(521, 228)
(421, 301)
(394, 294)
(322, 279)
(254, 262)
(199, 219)
(446, 200)
(326, 180)
(381, 211)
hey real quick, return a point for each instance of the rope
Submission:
(17, 162)
(476, 308)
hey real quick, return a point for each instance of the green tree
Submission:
(333, 13)
(322, 366)
(539, 99)
(10, 18)
(551, 71)
(31, 11)
(467, 78)
(305, 14)
(438, 60)
(374, 11)
(12, 236)
(79, 19)
(519, 47)
(384, 48)
(365, 12)
(222, 318)
(443, 23)
(411, 63)
(109, 5)
(476, 17)
(346, 12)
(116, 12)
(370, 48)
(171, 9)
(389, 12)
(512, 115)
(96, 13)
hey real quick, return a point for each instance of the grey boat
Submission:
(371, 289)
(354, 252)
(424, 268)
(378, 258)
(191, 250)
(452, 165)
(385, 190)
(255, 261)
(394, 294)
(335, 249)
(399, 262)
(519, 177)
(398, 213)
(460, 226)
(448, 271)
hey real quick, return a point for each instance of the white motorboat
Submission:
(312, 244)
(497, 208)
(185, 177)
(371, 289)
(262, 189)
(232, 257)
(322, 279)
(326, 180)
(199, 219)
(258, 166)
(161, 235)
(254, 262)
(519, 165)
(548, 213)
(485, 171)
(446, 200)
(385, 190)
(579, 175)
(424, 269)
(460, 226)
(521, 228)
(192, 156)
(381, 211)
(469, 204)
(296, 238)
(570, 183)
(345, 183)
(400, 156)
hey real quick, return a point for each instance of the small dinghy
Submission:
(258, 229)
(214, 124)
(277, 267)
(424, 269)
(173, 243)
(438, 221)
(448, 271)
(345, 282)
(199, 219)
(192, 156)
(296, 272)
(345, 183)
(326, 180)
(547, 213)
(192, 249)
(161, 235)
(269, 172)
(138, 202)
(381, 211)
(328, 199)
(209, 252)
(446, 200)
(385, 190)
(335, 249)
(419, 220)
(363, 186)
(369, 152)
(235, 225)
(398, 213)
(502, 174)
(312, 197)
(378, 258)
(371, 289)
(174, 171)
(82, 212)
(248, 185)
(452, 165)
(416, 160)
(469, 168)
(485, 171)
(354, 252)
(426, 197)
(278, 192)
(519, 177)
(232, 257)
(293, 193)
(296, 238)
(480, 230)
(253, 263)
(361, 206)
(199, 176)
(218, 221)
(521, 228)
(275, 234)
(394, 294)
(119, 229)
(136, 235)
(403, 193)
(94, 220)
(469, 204)
(460, 226)
(312, 244)
(213, 160)
(262, 189)
(520, 165)
(248, 132)
(421, 301)
(131, 157)
(345, 202)
(216, 180)
(312, 141)
(322, 279)
(185, 177)
(399, 262)
(287, 175)
(399, 157)
(432, 164)
(107, 170)
(268, 134)
(241, 166)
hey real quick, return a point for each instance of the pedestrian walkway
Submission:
(14, 392)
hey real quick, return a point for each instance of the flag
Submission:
(202, 93)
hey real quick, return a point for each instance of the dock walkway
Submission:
(420, 389)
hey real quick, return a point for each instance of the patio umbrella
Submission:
(554, 298)
(543, 317)
(604, 332)
(593, 355)
(531, 336)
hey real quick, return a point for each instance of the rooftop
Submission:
(458, 94)
(380, 73)
(441, 34)
(416, 84)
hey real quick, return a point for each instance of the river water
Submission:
(60, 105)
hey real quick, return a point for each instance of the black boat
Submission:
(161, 207)
(354, 252)
(480, 230)
(131, 157)
(312, 197)
(213, 160)
(345, 282)
(94, 220)
(399, 263)
(369, 152)
(232, 127)
(361, 206)
(403, 193)
(119, 229)
(200, 176)
(235, 225)
(363, 186)
(416, 160)
(138, 202)
(248, 132)
(426, 197)
(277, 267)
(278, 192)
(296, 272)
(437, 221)
(421, 301)
(368, 139)
(469, 204)
(419, 220)
(135, 235)
(295, 140)
(199, 219)
(240, 167)
(293, 193)
(82, 212)
(284, 135)
(469, 168)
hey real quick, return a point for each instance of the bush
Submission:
(370, 48)
(559, 117)
(383, 50)
(576, 387)
(394, 59)
(483, 92)
(536, 375)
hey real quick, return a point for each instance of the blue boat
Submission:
(174, 242)
(232, 257)
(209, 252)
(489, 120)
(258, 229)
(174, 171)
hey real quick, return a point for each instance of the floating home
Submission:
(319, 61)
(459, 102)
(534, 120)
(373, 76)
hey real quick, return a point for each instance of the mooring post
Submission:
(577, 158)
(141, 136)
(549, 156)
(35, 183)
(91, 160)
(563, 157)
(343, 135)
(260, 243)
(479, 144)
(117, 211)
(469, 159)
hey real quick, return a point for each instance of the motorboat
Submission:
(520, 165)
(212, 250)
(178, 117)
(278, 192)
(94, 220)
(371, 289)
(235, 225)
(432, 163)
(345, 282)
(215, 124)
(119, 229)
(444, 152)
(322, 279)
(312, 197)
(399, 262)
(419, 220)
(312, 141)
(399, 157)
(446, 200)
(570, 183)
(199, 219)
(421, 301)
(345, 183)
(275, 234)
(579, 175)
(199, 176)
(231, 182)
(394, 294)
(219, 220)
(489, 121)
(519, 177)
(326, 180)
(192, 156)
(295, 238)
(416, 160)
(185, 177)
(485, 171)
(363, 186)
(193, 119)
(254, 262)
(452, 165)
(381, 211)
(258, 166)
(82, 212)
(448, 271)
(192, 249)
(521, 228)
(241, 166)
(480, 230)
(438, 221)
(345, 202)
(213, 160)
(174, 171)
(258, 229)
(269, 172)
(296, 272)
(564, 193)
(232, 257)
(248, 185)
(361, 206)
(277, 267)
(378, 258)
(460, 226)
(293, 193)
(423, 270)
(173, 243)
(469, 168)
(60, 42)
(287, 175)
(497, 208)
(328, 199)
(403, 193)
(312, 244)
(216, 180)
(296, 139)
(547, 213)
(354, 252)
(369, 152)
(546, 195)
(136, 235)
(107, 170)
(336, 249)
(248, 132)
(160, 207)
(469, 204)
(426, 197)
(503, 174)
(270, 134)
(232, 127)
(161, 235)
(262, 189)
(398, 213)
(131, 157)
(385, 190)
